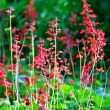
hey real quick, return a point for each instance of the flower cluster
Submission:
(16, 46)
(42, 58)
(85, 77)
(3, 77)
(50, 57)
(93, 40)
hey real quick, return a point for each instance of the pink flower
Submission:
(86, 78)
(94, 38)
(3, 77)
(11, 66)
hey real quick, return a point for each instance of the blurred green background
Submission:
(47, 10)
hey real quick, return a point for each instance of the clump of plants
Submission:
(57, 72)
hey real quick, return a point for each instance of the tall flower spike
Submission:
(94, 38)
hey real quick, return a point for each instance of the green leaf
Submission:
(66, 88)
